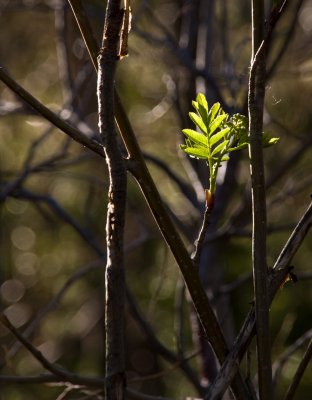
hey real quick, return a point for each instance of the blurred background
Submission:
(53, 191)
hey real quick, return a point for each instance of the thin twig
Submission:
(51, 305)
(85, 29)
(97, 383)
(276, 279)
(43, 378)
(182, 185)
(179, 328)
(78, 274)
(61, 373)
(13, 185)
(157, 346)
(200, 241)
(234, 285)
(287, 40)
(163, 373)
(299, 373)
(284, 357)
(184, 57)
(84, 233)
(60, 14)
(64, 126)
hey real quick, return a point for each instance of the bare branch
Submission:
(63, 215)
(277, 277)
(114, 275)
(158, 346)
(50, 115)
(259, 229)
(50, 379)
(85, 29)
(78, 274)
(284, 357)
(140, 172)
(292, 25)
(61, 373)
(182, 185)
(299, 373)
(24, 380)
(51, 305)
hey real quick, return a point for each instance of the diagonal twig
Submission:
(284, 357)
(157, 346)
(41, 109)
(61, 373)
(299, 373)
(279, 273)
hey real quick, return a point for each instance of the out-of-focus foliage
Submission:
(53, 223)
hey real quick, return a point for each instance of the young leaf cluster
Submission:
(217, 136)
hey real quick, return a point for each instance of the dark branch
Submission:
(276, 279)
(114, 275)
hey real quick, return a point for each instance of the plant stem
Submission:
(114, 276)
(260, 271)
(201, 236)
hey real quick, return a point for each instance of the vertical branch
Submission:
(115, 285)
(260, 272)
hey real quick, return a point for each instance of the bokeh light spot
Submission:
(18, 314)
(23, 238)
(12, 290)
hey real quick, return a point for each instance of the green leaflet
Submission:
(196, 137)
(221, 148)
(216, 123)
(267, 141)
(202, 108)
(218, 136)
(213, 112)
(198, 121)
(195, 151)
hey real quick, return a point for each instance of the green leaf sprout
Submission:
(217, 136)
